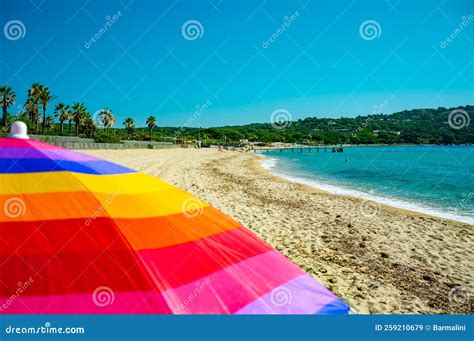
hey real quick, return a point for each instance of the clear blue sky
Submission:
(319, 66)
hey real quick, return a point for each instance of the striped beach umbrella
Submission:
(83, 235)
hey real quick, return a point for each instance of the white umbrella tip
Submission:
(19, 130)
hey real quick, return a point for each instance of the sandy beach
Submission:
(377, 258)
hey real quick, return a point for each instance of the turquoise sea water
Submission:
(437, 180)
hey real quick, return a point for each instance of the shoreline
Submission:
(394, 261)
(396, 203)
(258, 148)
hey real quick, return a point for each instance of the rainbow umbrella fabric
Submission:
(82, 235)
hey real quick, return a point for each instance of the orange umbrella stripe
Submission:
(88, 205)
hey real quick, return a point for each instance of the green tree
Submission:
(49, 123)
(8, 98)
(90, 126)
(31, 109)
(79, 113)
(107, 118)
(45, 97)
(129, 125)
(151, 123)
(63, 112)
(32, 103)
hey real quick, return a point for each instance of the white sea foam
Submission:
(271, 163)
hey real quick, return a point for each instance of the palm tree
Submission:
(90, 126)
(79, 112)
(107, 118)
(32, 103)
(70, 119)
(151, 123)
(45, 97)
(129, 124)
(7, 98)
(49, 122)
(31, 109)
(64, 113)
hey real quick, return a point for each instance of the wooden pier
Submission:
(301, 149)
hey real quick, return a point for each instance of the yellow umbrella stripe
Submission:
(63, 181)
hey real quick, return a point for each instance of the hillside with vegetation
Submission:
(417, 126)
